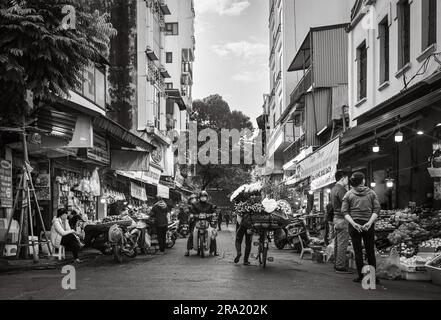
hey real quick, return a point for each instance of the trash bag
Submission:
(330, 251)
(95, 186)
(148, 240)
(388, 267)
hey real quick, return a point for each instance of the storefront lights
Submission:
(376, 147)
(311, 192)
(103, 201)
(305, 201)
(389, 183)
(399, 136)
(328, 191)
(420, 133)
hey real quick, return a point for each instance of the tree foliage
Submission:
(38, 55)
(213, 112)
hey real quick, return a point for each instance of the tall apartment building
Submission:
(394, 99)
(137, 75)
(289, 23)
(179, 58)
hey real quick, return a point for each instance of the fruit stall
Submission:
(415, 234)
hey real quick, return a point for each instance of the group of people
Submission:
(351, 214)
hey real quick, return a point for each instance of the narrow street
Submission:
(173, 276)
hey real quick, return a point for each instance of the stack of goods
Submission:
(258, 214)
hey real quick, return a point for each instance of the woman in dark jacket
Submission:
(361, 208)
(160, 214)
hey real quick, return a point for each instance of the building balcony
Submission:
(302, 87)
(164, 7)
(164, 72)
(187, 55)
(281, 138)
(151, 54)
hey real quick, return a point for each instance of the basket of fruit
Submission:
(434, 268)
(432, 245)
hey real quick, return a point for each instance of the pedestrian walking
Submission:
(227, 219)
(241, 232)
(361, 208)
(219, 219)
(160, 214)
(341, 232)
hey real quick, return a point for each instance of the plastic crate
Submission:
(435, 273)
(414, 272)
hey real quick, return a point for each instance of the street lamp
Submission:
(420, 132)
(311, 192)
(373, 184)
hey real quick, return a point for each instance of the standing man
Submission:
(241, 232)
(340, 224)
(160, 213)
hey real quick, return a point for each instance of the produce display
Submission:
(407, 250)
(436, 263)
(383, 224)
(434, 244)
(415, 260)
(410, 231)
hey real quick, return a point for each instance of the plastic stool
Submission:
(304, 249)
(60, 253)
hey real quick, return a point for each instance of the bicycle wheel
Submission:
(261, 246)
(264, 248)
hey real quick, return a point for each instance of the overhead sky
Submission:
(232, 52)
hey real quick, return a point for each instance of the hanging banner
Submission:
(138, 192)
(321, 166)
(5, 184)
(163, 191)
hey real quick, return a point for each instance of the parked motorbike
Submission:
(125, 240)
(172, 234)
(290, 235)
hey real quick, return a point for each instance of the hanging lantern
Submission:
(399, 136)
(389, 183)
(376, 147)
(373, 184)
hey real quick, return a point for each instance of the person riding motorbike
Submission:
(203, 206)
(191, 223)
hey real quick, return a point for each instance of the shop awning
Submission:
(120, 133)
(404, 111)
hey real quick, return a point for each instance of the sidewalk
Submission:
(13, 265)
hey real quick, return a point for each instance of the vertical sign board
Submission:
(138, 192)
(5, 184)
(163, 191)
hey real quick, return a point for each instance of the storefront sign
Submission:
(5, 184)
(163, 191)
(99, 154)
(138, 192)
(151, 177)
(179, 180)
(127, 160)
(321, 165)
